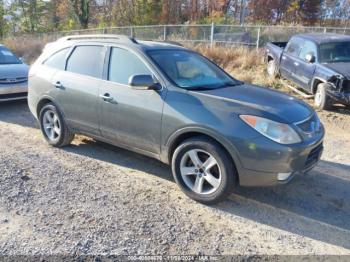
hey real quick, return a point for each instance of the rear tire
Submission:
(53, 126)
(322, 100)
(203, 170)
(271, 68)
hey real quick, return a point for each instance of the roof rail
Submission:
(122, 38)
(173, 43)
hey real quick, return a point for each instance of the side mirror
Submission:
(143, 82)
(310, 58)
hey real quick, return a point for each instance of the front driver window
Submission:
(294, 46)
(124, 64)
(308, 48)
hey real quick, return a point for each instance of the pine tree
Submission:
(2, 19)
(82, 11)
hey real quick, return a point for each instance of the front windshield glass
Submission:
(335, 52)
(190, 70)
(7, 57)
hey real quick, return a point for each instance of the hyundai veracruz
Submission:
(170, 103)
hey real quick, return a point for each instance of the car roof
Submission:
(321, 38)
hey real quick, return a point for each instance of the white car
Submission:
(13, 76)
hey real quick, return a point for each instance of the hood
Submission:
(260, 101)
(13, 71)
(342, 68)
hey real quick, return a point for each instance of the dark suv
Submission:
(173, 104)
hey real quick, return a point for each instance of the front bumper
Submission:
(16, 91)
(274, 164)
(340, 97)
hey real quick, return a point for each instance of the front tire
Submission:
(53, 126)
(322, 100)
(203, 170)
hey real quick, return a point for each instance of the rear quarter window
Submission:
(58, 59)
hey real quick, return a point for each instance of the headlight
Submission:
(278, 132)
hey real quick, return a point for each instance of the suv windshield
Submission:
(190, 70)
(7, 57)
(335, 52)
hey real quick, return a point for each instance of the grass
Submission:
(28, 48)
(242, 63)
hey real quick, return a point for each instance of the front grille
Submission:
(9, 96)
(310, 125)
(346, 86)
(14, 80)
(314, 156)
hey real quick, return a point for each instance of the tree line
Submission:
(29, 16)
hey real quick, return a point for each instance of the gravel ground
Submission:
(93, 198)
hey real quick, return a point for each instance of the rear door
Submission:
(305, 70)
(130, 117)
(78, 87)
(42, 73)
(289, 59)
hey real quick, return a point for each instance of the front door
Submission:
(128, 116)
(305, 70)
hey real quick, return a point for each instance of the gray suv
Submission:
(170, 103)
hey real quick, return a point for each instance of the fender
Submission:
(47, 97)
(321, 80)
(166, 149)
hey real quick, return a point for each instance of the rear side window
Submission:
(86, 60)
(124, 64)
(58, 59)
(294, 46)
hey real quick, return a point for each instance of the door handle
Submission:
(106, 97)
(296, 63)
(58, 85)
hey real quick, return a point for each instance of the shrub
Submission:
(27, 47)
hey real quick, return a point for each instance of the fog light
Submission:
(283, 176)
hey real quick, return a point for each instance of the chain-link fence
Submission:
(252, 36)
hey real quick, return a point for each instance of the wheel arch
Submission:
(42, 102)
(315, 82)
(45, 100)
(176, 139)
(269, 58)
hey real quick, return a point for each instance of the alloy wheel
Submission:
(200, 171)
(52, 125)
